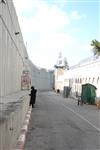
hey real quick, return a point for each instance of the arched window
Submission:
(97, 80)
(93, 80)
(78, 80)
(75, 80)
(89, 79)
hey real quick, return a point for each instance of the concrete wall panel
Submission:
(11, 123)
(13, 61)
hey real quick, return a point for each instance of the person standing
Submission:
(32, 97)
(35, 91)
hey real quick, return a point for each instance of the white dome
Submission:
(61, 61)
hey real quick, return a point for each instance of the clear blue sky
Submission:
(53, 26)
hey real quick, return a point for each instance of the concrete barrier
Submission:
(11, 120)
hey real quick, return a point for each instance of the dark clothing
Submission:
(35, 91)
(32, 96)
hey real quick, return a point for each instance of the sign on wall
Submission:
(25, 81)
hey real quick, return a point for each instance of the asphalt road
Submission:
(58, 123)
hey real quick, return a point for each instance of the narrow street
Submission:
(57, 123)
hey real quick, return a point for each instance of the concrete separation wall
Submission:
(11, 119)
(14, 62)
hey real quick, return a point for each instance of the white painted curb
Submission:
(22, 137)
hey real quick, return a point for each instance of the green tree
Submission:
(96, 47)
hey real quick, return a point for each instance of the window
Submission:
(93, 80)
(80, 80)
(89, 79)
(97, 80)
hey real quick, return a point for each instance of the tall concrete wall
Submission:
(12, 63)
(13, 55)
(41, 78)
(11, 120)
(14, 102)
(11, 50)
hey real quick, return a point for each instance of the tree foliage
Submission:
(96, 47)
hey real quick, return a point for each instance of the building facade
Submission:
(60, 68)
(87, 71)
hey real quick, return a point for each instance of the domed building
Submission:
(60, 68)
(61, 62)
(85, 72)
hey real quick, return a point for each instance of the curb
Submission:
(24, 129)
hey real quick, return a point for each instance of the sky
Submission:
(53, 26)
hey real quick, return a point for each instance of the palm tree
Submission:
(96, 47)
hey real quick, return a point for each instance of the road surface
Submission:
(58, 123)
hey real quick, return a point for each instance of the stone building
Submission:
(86, 71)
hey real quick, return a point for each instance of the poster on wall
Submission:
(25, 81)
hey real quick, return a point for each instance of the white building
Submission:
(60, 68)
(87, 71)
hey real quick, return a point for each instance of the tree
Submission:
(96, 47)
